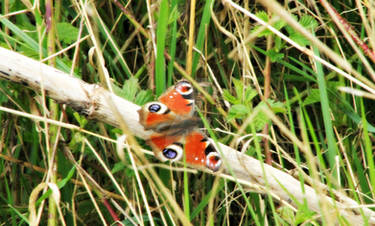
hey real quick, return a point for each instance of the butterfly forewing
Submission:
(179, 99)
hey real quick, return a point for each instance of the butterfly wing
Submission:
(179, 99)
(175, 105)
(199, 151)
(171, 118)
(166, 148)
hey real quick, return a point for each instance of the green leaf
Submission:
(119, 166)
(60, 185)
(260, 119)
(277, 106)
(278, 43)
(130, 88)
(304, 214)
(67, 33)
(202, 32)
(274, 55)
(143, 97)
(238, 86)
(80, 119)
(308, 22)
(250, 93)
(313, 97)
(299, 38)
(228, 97)
(262, 15)
(161, 33)
(279, 24)
(238, 111)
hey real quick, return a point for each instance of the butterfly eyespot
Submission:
(184, 88)
(157, 107)
(213, 161)
(169, 153)
(154, 108)
(172, 152)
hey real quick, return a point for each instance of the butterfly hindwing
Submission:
(198, 149)
(166, 147)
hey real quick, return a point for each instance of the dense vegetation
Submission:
(315, 75)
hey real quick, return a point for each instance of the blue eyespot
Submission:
(154, 108)
(169, 153)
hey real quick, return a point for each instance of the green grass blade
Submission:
(114, 47)
(206, 18)
(173, 44)
(368, 150)
(161, 33)
(332, 148)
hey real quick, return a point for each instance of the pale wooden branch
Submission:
(92, 100)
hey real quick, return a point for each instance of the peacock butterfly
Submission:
(172, 120)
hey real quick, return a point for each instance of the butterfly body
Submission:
(175, 128)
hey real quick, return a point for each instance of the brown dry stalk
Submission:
(334, 14)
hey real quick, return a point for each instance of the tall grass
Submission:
(140, 48)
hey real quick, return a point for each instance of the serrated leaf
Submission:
(279, 24)
(262, 15)
(67, 33)
(308, 22)
(260, 119)
(228, 97)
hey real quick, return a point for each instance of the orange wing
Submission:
(197, 148)
(176, 104)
